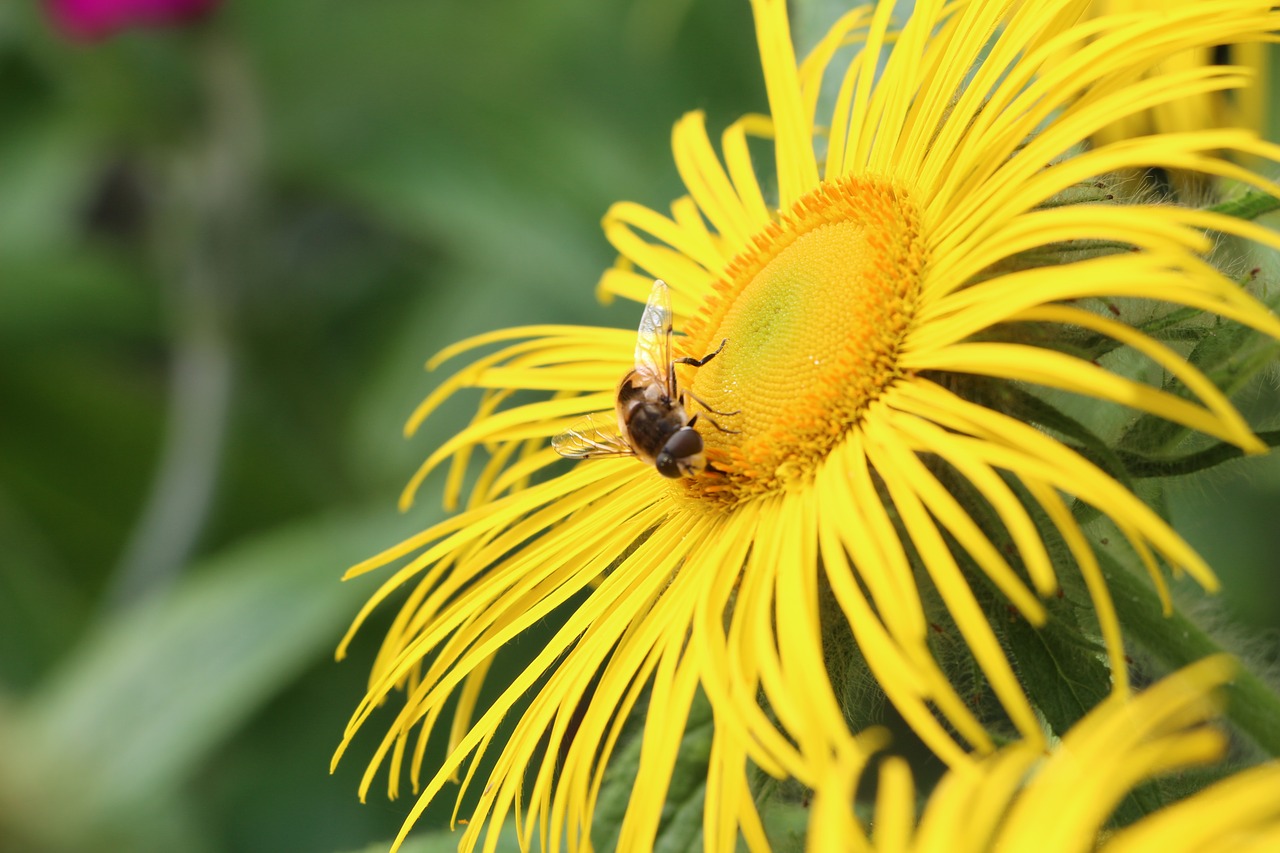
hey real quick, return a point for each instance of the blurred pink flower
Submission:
(92, 19)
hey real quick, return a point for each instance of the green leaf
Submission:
(1138, 803)
(1251, 205)
(681, 826)
(786, 823)
(1031, 408)
(152, 691)
(1230, 355)
(1175, 641)
(1061, 667)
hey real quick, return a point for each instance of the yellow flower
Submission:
(1239, 108)
(1022, 798)
(872, 289)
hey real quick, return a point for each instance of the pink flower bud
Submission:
(95, 19)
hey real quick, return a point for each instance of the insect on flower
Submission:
(652, 423)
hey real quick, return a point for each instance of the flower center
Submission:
(814, 315)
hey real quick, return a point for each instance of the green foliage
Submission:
(681, 827)
(1060, 665)
(225, 254)
(154, 689)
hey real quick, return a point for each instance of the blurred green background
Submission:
(225, 253)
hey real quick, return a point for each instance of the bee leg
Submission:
(698, 362)
(694, 420)
(703, 404)
(722, 429)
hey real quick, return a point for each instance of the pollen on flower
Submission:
(815, 314)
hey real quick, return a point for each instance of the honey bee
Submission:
(652, 423)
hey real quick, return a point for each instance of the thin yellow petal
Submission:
(797, 165)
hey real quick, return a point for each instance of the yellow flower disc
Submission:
(814, 316)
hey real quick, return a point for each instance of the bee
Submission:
(653, 425)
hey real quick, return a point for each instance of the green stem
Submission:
(1251, 205)
(1177, 641)
(204, 222)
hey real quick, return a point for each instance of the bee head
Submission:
(681, 454)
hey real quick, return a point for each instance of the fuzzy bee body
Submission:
(652, 424)
(657, 428)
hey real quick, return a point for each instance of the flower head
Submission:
(1024, 797)
(919, 251)
(94, 19)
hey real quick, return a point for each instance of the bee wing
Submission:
(653, 344)
(593, 437)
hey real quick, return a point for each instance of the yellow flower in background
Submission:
(1059, 801)
(1237, 108)
(1245, 107)
(871, 289)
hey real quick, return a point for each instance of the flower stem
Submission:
(203, 217)
(1176, 641)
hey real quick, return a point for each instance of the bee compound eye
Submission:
(685, 442)
(682, 445)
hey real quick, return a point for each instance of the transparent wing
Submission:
(593, 437)
(653, 344)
